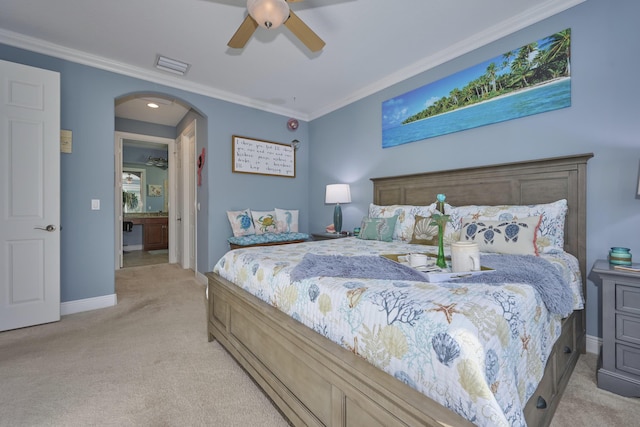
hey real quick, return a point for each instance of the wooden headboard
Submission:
(520, 183)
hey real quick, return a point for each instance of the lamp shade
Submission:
(268, 13)
(338, 193)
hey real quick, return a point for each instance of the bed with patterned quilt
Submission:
(337, 333)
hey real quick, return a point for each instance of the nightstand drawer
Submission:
(628, 359)
(628, 328)
(628, 299)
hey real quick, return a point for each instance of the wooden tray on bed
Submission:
(436, 274)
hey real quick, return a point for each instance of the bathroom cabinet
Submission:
(155, 231)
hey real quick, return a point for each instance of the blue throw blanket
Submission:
(353, 267)
(527, 269)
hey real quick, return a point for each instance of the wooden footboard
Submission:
(315, 382)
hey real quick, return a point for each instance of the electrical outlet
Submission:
(95, 204)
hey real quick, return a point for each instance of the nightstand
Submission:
(619, 364)
(327, 236)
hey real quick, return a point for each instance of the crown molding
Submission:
(85, 58)
(490, 35)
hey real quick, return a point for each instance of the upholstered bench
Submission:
(266, 239)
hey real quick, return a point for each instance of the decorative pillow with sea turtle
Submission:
(549, 234)
(241, 222)
(515, 237)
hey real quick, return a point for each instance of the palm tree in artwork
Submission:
(506, 59)
(522, 65)
(559, 47)
(491, 75)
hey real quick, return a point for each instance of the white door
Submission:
(190, 241)
(177, 240)
(186, 159)
(29, 196)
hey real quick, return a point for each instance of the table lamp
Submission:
(338, 193)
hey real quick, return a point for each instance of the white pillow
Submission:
(515, 237)
(287, 220)
(241, 222)
(265, 221)
(550, 234)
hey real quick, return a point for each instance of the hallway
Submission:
(140, 258)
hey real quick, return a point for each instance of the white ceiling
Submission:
(370, 44)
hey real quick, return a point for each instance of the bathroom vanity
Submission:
(155, 230)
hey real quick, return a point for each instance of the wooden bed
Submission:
(316, 382)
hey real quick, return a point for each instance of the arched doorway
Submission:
(173, 126)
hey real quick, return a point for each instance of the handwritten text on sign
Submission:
(262, 157)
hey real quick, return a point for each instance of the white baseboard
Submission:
(593, 344)
(132, 248)
(88, 304)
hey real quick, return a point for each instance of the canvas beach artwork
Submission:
(532, 79)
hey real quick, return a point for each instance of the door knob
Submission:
(48, 228)
(178, 219)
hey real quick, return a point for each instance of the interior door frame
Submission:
(188, 199)
(171, 145)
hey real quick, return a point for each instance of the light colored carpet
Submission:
(141, 258)
(144, 362)
(585, 405)
(147, 362)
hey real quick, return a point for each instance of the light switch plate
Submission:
(95, 204)
(66, 141)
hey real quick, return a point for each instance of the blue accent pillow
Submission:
(378, 228)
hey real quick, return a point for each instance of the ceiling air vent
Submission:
(172, 65)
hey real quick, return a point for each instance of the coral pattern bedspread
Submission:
(477, 349)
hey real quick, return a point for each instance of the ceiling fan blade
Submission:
(243, 33)
(303, 32)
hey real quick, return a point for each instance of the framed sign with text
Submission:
(263, 157)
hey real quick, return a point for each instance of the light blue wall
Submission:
(144, 128)
(603, 119)
(87, 108)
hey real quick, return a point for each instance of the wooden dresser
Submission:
(619, 364)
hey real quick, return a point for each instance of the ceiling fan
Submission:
(271, 14)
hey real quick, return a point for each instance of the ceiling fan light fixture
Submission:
(159, 162)
(268, 13)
